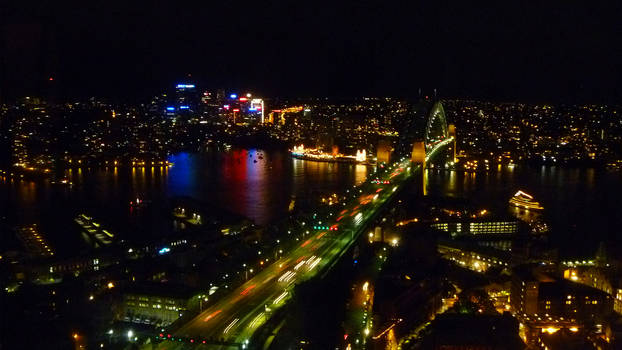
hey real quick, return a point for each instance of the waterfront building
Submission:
(545, 304)
(158, 304)
(601, 278)
(536, 292)
(478, 227)
(53, 269)
(473, 256)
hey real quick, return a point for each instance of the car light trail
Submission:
(288, 269)
(256, 320)
(298, 266)
(247, 290)
(212, 315)
(230, 325)
(280, 298)
(287, 276)
(283, 276)
(314, 264)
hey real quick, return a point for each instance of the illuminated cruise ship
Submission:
(525, 201)
(301, 152)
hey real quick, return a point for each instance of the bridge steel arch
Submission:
(429, 123)
(436, 126)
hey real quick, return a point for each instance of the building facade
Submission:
(154, 303)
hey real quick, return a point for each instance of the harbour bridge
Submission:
(231, 321)
(425, 132)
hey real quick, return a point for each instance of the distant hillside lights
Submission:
(134, 163)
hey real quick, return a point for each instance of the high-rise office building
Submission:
(186, 97)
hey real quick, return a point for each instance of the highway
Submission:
(237, 315)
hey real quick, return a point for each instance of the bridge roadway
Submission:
(235, 317)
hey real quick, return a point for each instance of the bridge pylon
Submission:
(451, 131)
(418, 153)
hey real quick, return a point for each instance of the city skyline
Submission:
(351, 176)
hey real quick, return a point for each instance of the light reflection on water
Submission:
(252, 183)
(256, 184)
(581, 205)
(360, 174)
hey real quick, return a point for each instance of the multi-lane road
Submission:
(236, 316)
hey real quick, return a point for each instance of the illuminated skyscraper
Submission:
(245, 109)
(186, 97)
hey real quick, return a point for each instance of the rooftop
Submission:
(170, 290)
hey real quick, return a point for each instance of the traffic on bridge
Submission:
(235, 317)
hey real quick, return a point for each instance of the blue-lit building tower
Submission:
(186, 98)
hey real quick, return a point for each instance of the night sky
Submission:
(541, 51)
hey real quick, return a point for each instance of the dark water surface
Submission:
(252, 183)
(582, 206)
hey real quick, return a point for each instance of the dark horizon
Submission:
(553, 52)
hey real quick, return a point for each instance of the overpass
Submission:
(231, 321)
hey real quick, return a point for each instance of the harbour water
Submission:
(251, 183)
(581, 205)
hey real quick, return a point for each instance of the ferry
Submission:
(525, 201)
(300, 152)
